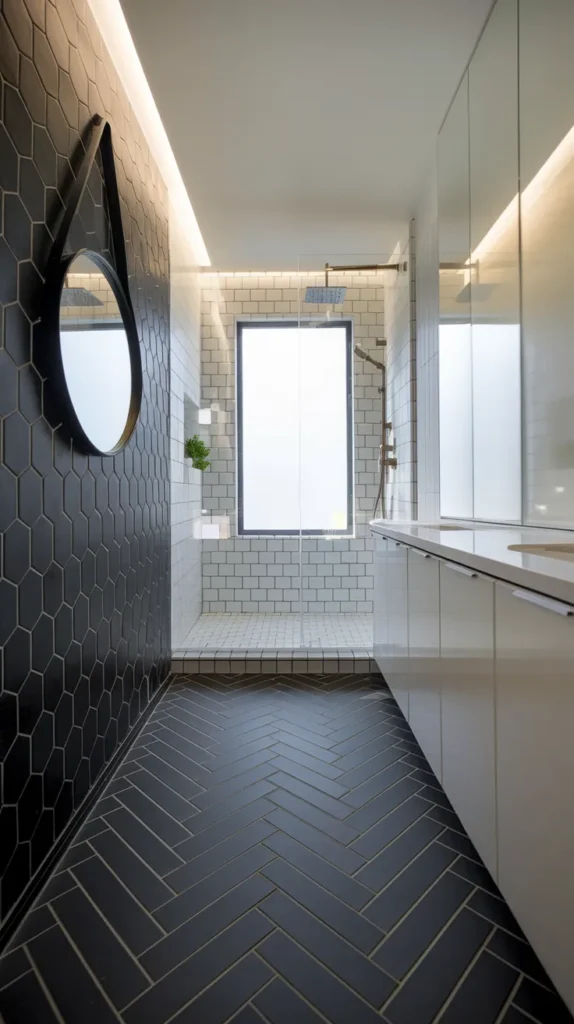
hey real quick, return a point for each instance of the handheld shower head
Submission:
(360, 352)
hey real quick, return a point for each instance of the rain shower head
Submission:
(325, 296)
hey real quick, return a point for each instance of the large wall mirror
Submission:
(90, 345)
(98, 355)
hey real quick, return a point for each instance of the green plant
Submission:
(197, 452)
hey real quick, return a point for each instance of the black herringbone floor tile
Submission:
(273, 849)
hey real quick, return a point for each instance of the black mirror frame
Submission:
(50, 352)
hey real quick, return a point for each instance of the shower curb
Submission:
(270, 662)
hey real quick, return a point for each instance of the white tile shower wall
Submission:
(400, 325)
(246, 574)
(185, 382)
(427, 321)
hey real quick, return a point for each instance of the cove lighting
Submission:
(541, 183)
(117, 37)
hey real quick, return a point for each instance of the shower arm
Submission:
(363, 266)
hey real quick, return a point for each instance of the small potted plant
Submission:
(197, 451)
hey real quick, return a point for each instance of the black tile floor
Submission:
(273, 849)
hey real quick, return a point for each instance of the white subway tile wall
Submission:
(185, 377)
(246, 574)
(400, 321)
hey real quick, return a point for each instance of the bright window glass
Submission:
(294, 428)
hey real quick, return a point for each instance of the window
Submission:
(294, 428)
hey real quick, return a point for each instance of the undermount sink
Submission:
(563, 551)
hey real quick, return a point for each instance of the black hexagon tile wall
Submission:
(84, 585)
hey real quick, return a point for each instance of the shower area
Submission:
(302, 453)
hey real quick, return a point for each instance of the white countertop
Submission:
(486, 548)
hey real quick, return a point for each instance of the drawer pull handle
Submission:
(544, 602)
(423, 554)
(461, 569)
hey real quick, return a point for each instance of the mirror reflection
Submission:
(95, 353)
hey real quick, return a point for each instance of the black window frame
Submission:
(241, 325)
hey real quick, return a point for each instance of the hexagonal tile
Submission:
(53, 682)
(16, 442)
(42, 544)
(16, 551)
(42, 642)
(88, 494)
(57, 37)
(30, 807)
(45, 156)
(64, 716)
(8, 610)
(9, 56)
(16, 659)
(17, 225)
(8, 722)
(95, 530)
(32, 90)
(30, 599)
(53, 588)
(103, 639)
(89, 654)
(16, 769)
(81, 617)
(18, 332)
(30, 703)
(79, 76)
(62, 453)
(58, 129)
(20, 24)
(31, 189)
(41, 446)
(71, 495)
(41, 245)
(8, 275)
(72, 580)
(29, 288)
(8, 162)
(73, 668)
(37, 12)
(53, 495)
(73, 752)
(63, 629)
(53, 776)
(8, 384)
(29, 496)
(17, 121)
(42, 741)
(68, 100)
(62, 539)
(79, 535)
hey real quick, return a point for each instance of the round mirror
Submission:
(99, 355)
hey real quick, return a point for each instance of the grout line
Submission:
(508, 1003)
(464, 976)
(44, 988)
(124, 886)
(83, 961)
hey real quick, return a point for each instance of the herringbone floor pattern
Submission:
(273, 849)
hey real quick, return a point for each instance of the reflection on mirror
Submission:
(95, 353)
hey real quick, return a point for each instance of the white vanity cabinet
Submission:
(535, 771)
(397, 648)
(467, 704)
(380, 617)
(423, 680)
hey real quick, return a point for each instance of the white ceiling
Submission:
(302, 126)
